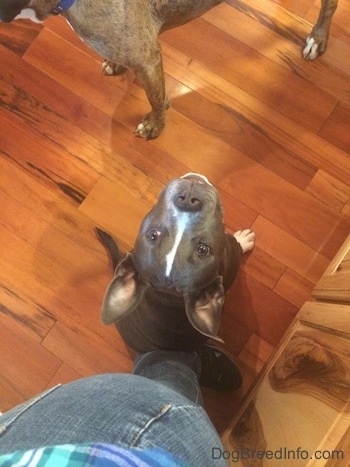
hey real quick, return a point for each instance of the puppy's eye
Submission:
(203, 249)
(152, 235)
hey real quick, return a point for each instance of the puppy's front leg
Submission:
(246, 239)
(151, 75)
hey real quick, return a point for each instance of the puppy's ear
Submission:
(123, 293)
(203, 310)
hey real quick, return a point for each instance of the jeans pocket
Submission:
(9, 417)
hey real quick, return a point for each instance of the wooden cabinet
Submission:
(298, 411)
(334, 285)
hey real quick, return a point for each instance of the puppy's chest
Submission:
(156, 326)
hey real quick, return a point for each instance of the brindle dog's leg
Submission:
(316, 43)
(151, 76)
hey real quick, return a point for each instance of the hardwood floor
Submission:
(269, 129)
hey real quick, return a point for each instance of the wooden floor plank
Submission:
(81, 355)
(294, 288)
(233, 129)
(18, 366)
(329, 191)
(255, 307)
(65, 374)
(17, 312)
(283, 131)
(277, 35)
(298, 257)
(267, 82)
(256, 353)
(346, 210)
(263, 267)
(18, 36)
(316, 224)
(70, 70)
(29, 95)
(101, 205)
(54, 245)
(336, 129)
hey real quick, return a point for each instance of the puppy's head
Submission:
(181, 240)
(178, 251)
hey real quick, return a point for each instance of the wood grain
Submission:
(334, 283)
(311, 364)
(301, 401)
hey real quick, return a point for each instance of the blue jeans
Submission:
(159, 405)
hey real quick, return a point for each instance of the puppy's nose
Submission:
(188, 201)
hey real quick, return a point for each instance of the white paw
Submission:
(111, 68)
(142, 130)
(310, 51)
(106, 68)
(246, 239)
(149, 128)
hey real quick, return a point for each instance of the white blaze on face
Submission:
(203, 177)
(181, 224)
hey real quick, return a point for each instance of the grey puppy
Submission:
(168, 292)
(125, 32)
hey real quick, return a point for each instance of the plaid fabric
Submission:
(88, 455)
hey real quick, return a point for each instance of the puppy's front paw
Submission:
(246, 239)
(110, 68)
(153, 123)
(149, 128)
(314, 46)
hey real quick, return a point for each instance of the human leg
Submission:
(179, 371)
(124, 410)
(185, 372)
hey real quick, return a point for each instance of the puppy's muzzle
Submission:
(189, 197)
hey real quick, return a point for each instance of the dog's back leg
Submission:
(110, 246)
